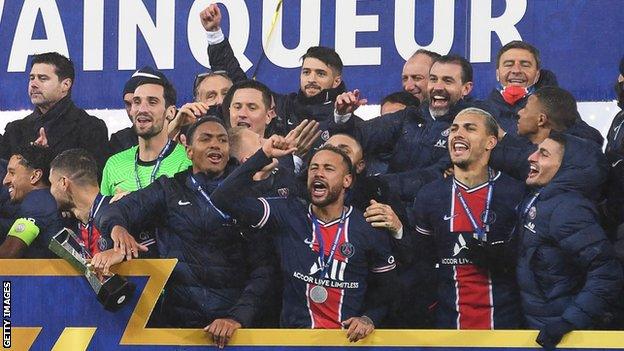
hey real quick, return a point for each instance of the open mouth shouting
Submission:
(439, 99)
(215, 157)
(533, 170)
(459, 147)
(143, 121)
(243, 123)
(318, 189)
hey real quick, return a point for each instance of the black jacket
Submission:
(122, 140)
(290, 108)
(221, 273)
(66, 127)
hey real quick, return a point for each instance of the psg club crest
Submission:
(532, 212)
(103, 244)
(325, 135)
(283, 192)
(491, 218)
(347, 249)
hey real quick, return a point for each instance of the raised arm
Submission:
(220, 52)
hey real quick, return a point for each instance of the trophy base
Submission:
(115, 292)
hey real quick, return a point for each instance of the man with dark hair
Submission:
(222, 277)
(320, 79)
(249, 105)
(337, 269)
(519, 74)
(415, 74)
(476, 284)
(55, 122)
(37, 219)
(74, 185)
(549, 109)
(567, 272)
(416, 137)
(153, 106)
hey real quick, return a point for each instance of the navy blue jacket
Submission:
(220, 273)
(566, 266)
(39, 206)
(507, 117)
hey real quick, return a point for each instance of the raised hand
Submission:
(211, 18)
(348, 102)
(304, 135)
(277, 146)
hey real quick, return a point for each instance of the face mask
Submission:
(619, 91)
(513, 93)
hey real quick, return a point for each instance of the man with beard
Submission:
(416, 137)
(55, 122)
(37, 219)
(337, 269)
(153, 106)
(567, 272)
(320, 78)
(519, 74)
(74, 185)
(469, 218)
(415, 74)
(222, 277)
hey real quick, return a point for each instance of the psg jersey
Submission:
(469, 296)
(321, 291)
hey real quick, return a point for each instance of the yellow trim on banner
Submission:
(159, 270)
(76, 339)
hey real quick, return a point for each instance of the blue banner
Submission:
(48, 305)
(580, 40)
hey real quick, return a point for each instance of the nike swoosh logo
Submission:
(327, 102)
(447, 217)
(290, 123)
(307, 241)
(615, 163)
(115, 184)
(183, 203)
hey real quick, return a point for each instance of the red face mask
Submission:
(513, 93)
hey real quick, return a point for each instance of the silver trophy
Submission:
(112, 291)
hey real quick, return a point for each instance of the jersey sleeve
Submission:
(418, 216)
(382, 259)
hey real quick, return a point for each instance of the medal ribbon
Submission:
(202, 192)
(97, 203)
(528, 206)
(480, 231)
(315, 224)
(159, 160)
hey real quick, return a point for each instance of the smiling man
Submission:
(469, 218)
(320, 78)
(37, 219)
(222, 276)
(153, 107)
(567, 272)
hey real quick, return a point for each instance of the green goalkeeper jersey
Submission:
(123, 173)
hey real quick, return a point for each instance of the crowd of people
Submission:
(446, 211)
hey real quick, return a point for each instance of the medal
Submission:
(318, 294)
